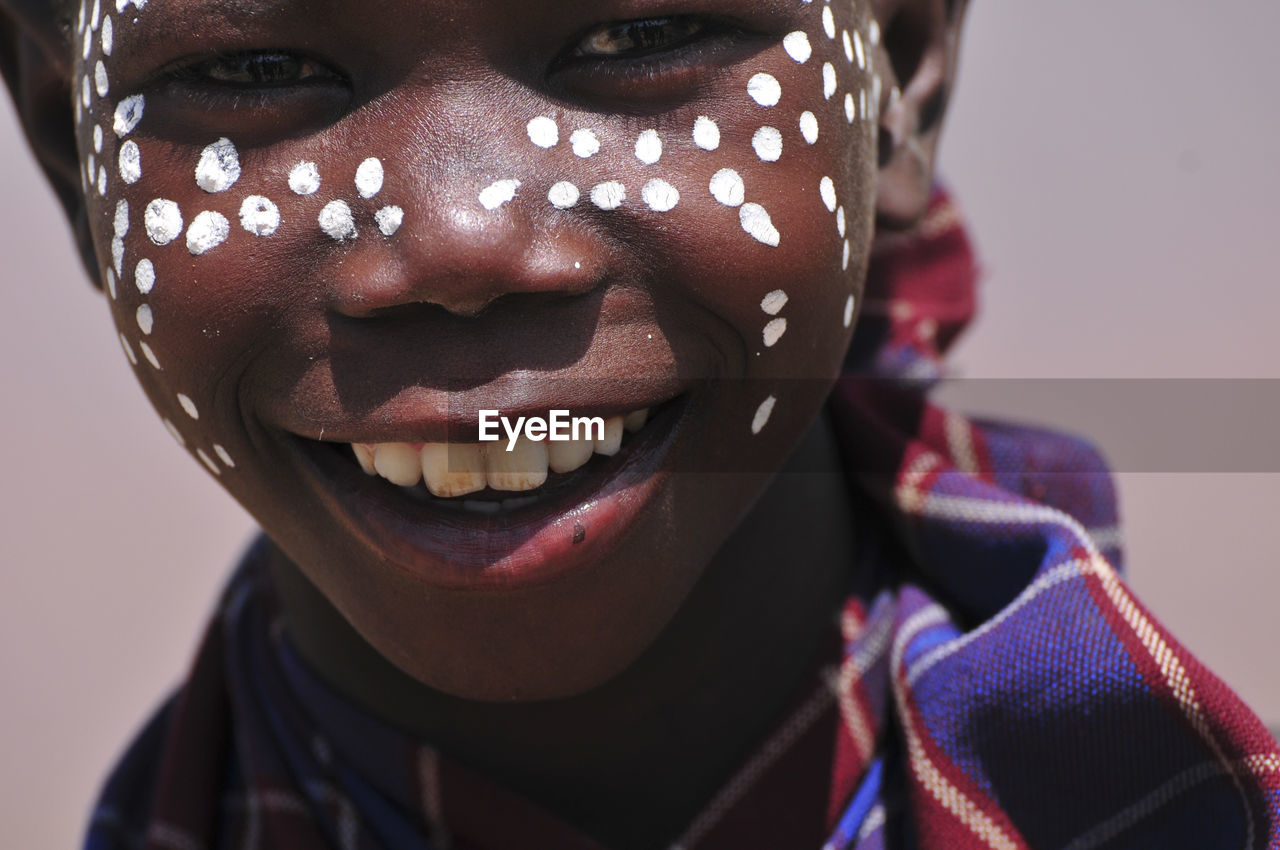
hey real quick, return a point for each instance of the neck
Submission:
(700, 696)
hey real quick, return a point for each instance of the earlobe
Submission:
(35, 59)
(916, 60)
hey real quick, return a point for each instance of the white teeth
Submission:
(609, 444)
(568, 455)
(453, 469)
(635, 420)
(364, 456)
(398, 463)
(522, 468)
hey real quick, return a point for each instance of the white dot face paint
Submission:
(544, 132)
(117, 255)
(584, 143)
(150, 355)
(774, 331)
(873, 30)
(304, 178)
(146, 320)
(660, 196)
(764, 89)
(860, 50)
(797, 46)
(774, 302)
(128, 350)
(498, 193)
(144, 277)
(128, 114)
(259, 215)
(369, 177)
(649, 147)
(828, 22)
(809, 127)
(768, 144)
(189, 406)
(120, 224)
(219, 167)
(706, 133)
(389, 220)
(175, 433)
(727, 187)
(827, 189)
(848, 46)
(130, 162)
(849, 111)
(844, 260)
(763, 412)
(223, 456)
(840, 222)
(100, 81)
(86, 95)
(94, 19)
(108, 38)
(563, 195)
(336, 220)
(828, 80)
(87, 47)
(97, 138)
(111, 283)
(609, 196)
(208, 230)
(208, 462)
(848, 312)
(756, 222)
(102, 180)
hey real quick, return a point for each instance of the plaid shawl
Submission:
(994, 685)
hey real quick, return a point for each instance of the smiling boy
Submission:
(330, 239)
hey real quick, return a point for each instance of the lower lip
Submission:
(539, 543)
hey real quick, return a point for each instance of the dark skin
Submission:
(576, 672)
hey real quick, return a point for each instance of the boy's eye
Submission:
(631, 39)
(258, 70)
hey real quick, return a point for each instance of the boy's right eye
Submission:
(257, 70)
(634, 39)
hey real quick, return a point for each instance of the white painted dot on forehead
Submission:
(208, 230)
(774, 302)
(756, 222)
(100, 81)
(498, 193)
(706, 134)
(128, 114)
(543, 132)
(145, 318)
(848, 46)
(773, 332)
(259, 215)
(609, 195)
(208, 462)
(150, 355)
(102, 180)
(97, 138)
(389, 220)
(649, 147)
(849, 111)
(764, 89)
(827, 189)
(121, 221)
(844, 260)
(219, 166)
(223, 455)
(809, 127)
(117, 254)
(304, 178)
(108, 37)
(797, 46)
(336, 220)
(369, 177)
(763, 412)
(767, 142)
(585, 144)
(563, 195)
(828, 22)
(144, 276)
(860, 50)
(660, 196)
(111, 283)
(189, 406)
(174, 432)
(163, 221)
(828, 80)
(727, 187)
(848, 312)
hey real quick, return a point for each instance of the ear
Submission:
(916, 59)
(36, 61)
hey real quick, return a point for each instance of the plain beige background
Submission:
(1116, 160)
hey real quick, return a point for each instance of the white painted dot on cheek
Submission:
(259, 215)
(828, 80)
(727, 187)
(840, 222)
(873, 30)
(128, 350)
(163, 221)
(764, 89)
(90, 164)
(150, 355)
(860, 50)
(660, 196)
(774, 302)
(208, 230)
(609, 195)
(94, 18)
(304, 178)
(862, 104)
(844, 261)
(848, 312)
(80, 20)
(108, 39)
(117, 255)
(563, 195)
(369, 177)
(86, 94)
(111, 283)
(774, 331)
(848, 107)
(706, 134)
(189, 406)
(649, 147)
(848, 46)
(585, 144)
(223, 455)
(809, 127)
(827, 189)
(336, 220)
(828, 22)
(144, 276)
(146, 319)
(100, 81)
(174, 432)
(102, 180)
(797, 46)
(128, 114)
(763, 412)
(498, 193)
(768, 144)
(120, 224)
(87, 47)
(756, 222)
(97, 138)
(544, 132)
(389, 220)
(219, 166)
(208, 462)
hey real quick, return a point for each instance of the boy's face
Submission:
(324, 224)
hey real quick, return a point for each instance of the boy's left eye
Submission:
(633, 39)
